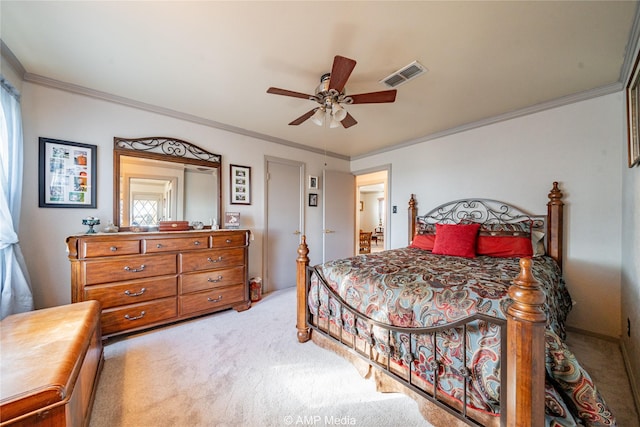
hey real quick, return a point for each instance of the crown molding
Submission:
(570, 99)
(70, 87)
(11, 59)
(81, 90)
(630, 54)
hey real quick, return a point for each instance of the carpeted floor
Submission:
(248, 369)
(603, 361)
(239, 369)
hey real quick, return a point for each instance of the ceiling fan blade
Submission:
(303, 117)
(348, 121)
(340, 72)
(374, 97)
(285, 92)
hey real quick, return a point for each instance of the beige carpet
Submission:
(603, 361)
(248, 369)
(240, 369)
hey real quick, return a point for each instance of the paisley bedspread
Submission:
(413, 288)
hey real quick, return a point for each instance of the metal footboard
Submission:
(397, 351)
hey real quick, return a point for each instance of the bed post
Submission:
(301, 283)
(555, 224)
(413, 212)
(525, 350)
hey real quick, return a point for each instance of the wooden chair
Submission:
(365, 242)
(378, 235)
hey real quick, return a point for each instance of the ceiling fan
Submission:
(331, 96)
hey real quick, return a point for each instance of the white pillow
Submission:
(537, 241)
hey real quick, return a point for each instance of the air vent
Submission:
(404, 74)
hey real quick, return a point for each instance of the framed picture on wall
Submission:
(66, 174)
(313, 199)
(240, 183)
(633, 111)
(313, 182)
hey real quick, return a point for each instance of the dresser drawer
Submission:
(193, 282)
(208, 300)
(89, 249)
(137, 315)
(229, 240)
(123, 293)
(129, 268)
(206, 260)
(177, 244)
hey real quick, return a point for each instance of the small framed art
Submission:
(313, 182)
(66, 174)
(240, 183)
(232, 220)
(313, 199)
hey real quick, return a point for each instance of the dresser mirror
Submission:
(164, 179)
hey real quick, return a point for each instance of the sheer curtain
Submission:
(16, 296)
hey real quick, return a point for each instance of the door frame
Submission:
(387, 203)
(301, 223)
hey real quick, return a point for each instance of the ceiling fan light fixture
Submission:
(331, 96)
(318, 116)
(334, 123)
(338, 112)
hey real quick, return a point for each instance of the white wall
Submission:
(369, 217)
(57, 114)
(631, 274)
(579, 145)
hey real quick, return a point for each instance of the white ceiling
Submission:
(213, 61)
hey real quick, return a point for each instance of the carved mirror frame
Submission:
(164, 149)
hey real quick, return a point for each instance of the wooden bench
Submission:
(50, 364)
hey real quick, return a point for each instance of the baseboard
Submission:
(632, 380)
(593, 334)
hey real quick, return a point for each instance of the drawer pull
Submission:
(142, 313)
(113, 248)
(228, 240)
(214, 300)
(158, 245)
(214, 260)
(135, 294)
(219, 279)
(134, 270)
(197, 243)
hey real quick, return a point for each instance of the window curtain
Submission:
(16, 295)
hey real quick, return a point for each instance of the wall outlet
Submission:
(628, 327)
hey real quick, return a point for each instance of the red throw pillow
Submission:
(505, 246)
(456, 240)
(423, 241)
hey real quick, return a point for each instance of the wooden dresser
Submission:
(153, 278)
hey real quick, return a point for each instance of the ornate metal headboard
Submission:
(482, 211)
(494, 212)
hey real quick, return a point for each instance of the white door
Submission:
(283, 222)
(338, 215)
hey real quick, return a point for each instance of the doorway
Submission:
(372, 208)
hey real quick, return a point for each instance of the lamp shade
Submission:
(338, 112)
(318, 116)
